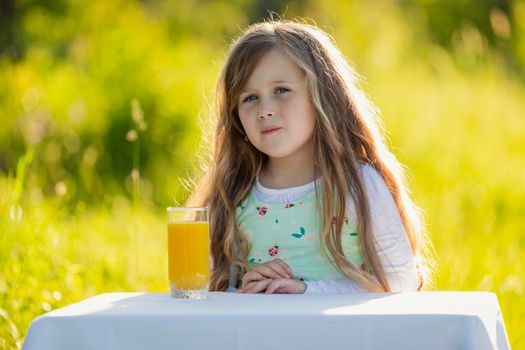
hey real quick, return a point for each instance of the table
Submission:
(427, 320)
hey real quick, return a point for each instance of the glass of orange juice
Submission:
(188, 252)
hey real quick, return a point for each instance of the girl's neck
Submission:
(286, 172)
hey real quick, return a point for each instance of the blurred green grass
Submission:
(82, 200)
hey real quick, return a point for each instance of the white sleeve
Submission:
(390, 238)
(398, 282)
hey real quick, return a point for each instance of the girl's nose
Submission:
(265, 110)
(265, 115)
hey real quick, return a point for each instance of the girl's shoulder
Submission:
(372, 180)
(375, 187)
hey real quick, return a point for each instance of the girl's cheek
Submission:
(245, 111)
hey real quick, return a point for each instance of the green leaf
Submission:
(297, 235)
(302, 230)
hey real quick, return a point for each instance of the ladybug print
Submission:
(289, 205)
(334, 220)
(262, 211)
(273, 251)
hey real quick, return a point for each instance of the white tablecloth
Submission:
(429, 320)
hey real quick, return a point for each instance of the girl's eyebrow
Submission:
(270, 83)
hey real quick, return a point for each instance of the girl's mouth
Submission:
(271, 130)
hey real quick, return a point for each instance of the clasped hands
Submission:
(274, 276)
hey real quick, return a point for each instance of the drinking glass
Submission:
(188, 252)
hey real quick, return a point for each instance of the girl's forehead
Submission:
(274, 66)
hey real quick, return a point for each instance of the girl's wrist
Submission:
(304, 287)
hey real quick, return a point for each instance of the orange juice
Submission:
(188, 254)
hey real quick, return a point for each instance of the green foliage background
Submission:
(100, 105)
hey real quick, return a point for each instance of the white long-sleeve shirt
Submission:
(389, 233)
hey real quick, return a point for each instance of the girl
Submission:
(304, 195)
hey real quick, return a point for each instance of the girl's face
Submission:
(275, 110)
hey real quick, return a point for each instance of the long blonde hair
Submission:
(347, 134)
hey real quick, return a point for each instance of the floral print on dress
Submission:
(275, 226)
(256, 258)
(299, 235)
(240, 208)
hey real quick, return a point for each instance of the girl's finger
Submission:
(248, 278)
(269, 271)
(279, 268)
(258, 286)
(283, 266)
(273, 286)
(251, 276)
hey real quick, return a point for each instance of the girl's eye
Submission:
(278, 91)
(249, 98)
(281, 90)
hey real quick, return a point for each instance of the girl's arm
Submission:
(399, 282)
(390, 237)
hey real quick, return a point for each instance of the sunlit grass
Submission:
(454, 118)
(51, 258)
(461, 135)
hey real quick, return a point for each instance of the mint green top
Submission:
(291, 232)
